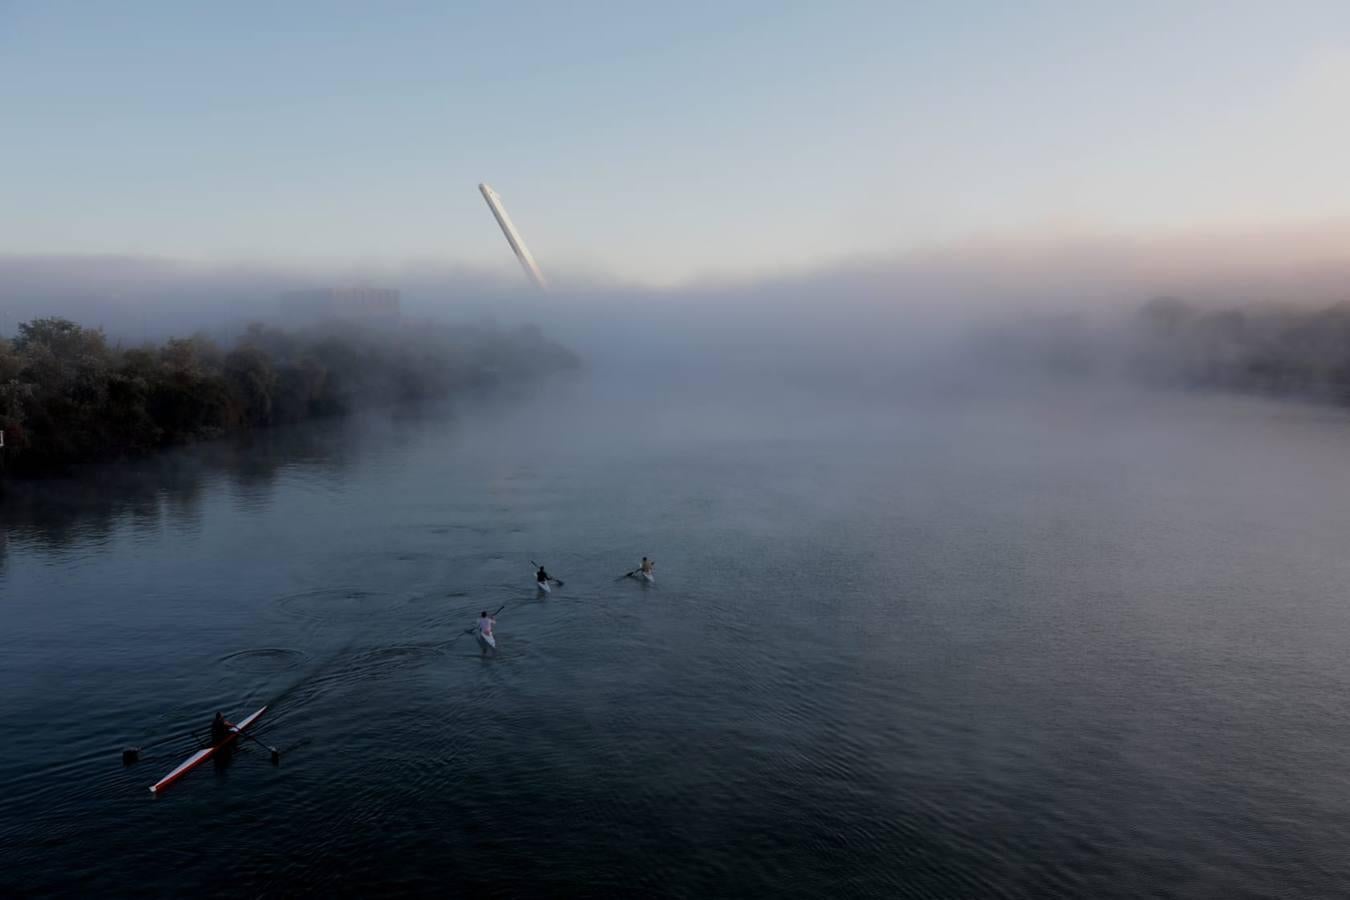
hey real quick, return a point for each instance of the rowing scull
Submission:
(203, 754)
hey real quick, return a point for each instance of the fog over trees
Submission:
(70, 395)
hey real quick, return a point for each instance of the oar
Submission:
(133, 754)
(276, 754)
(626, 575)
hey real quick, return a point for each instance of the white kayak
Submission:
(204, 754)
(544, 586)
(488, 639)
(648, 577)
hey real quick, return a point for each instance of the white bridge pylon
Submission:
(512, 236)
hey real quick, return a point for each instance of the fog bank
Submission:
(867, 316)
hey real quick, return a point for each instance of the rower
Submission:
(220, 729)
(647, 566)
(542, 577)
(485, 623)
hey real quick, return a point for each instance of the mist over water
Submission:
(1079, 642)
(931, 618)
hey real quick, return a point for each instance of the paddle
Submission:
(629, 574)
(554, 580)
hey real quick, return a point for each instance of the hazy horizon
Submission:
(947, 287)
(664, 148)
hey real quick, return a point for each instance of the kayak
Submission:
(646, 576)
(544, 586)
(204, 754)
(488, 639)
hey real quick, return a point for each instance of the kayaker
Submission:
(647, 566)
(219, 729)
(542, 577)
(485, 623)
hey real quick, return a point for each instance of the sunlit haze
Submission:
(661, 143)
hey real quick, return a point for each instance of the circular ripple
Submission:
(336, 604)
(265, 660)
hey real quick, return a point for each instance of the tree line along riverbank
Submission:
(69, 395)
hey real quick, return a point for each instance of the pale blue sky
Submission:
(659, 141)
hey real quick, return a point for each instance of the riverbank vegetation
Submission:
(1266, 349)
(1269, 349)
(68, 395)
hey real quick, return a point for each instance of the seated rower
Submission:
(220, 729)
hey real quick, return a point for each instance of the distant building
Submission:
(365, 305)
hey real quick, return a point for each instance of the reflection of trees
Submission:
(89, 504)
(89, 400)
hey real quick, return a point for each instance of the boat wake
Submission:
(331, 605)
(265, 660)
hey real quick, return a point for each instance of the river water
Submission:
(1072, 643)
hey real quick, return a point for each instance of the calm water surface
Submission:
(1075, 645)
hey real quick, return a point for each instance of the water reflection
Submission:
(170, 490)
(143, 496)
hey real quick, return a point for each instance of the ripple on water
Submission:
(336, 604)
(265, 660)
(396, 657)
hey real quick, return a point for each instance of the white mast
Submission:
(512, 236)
